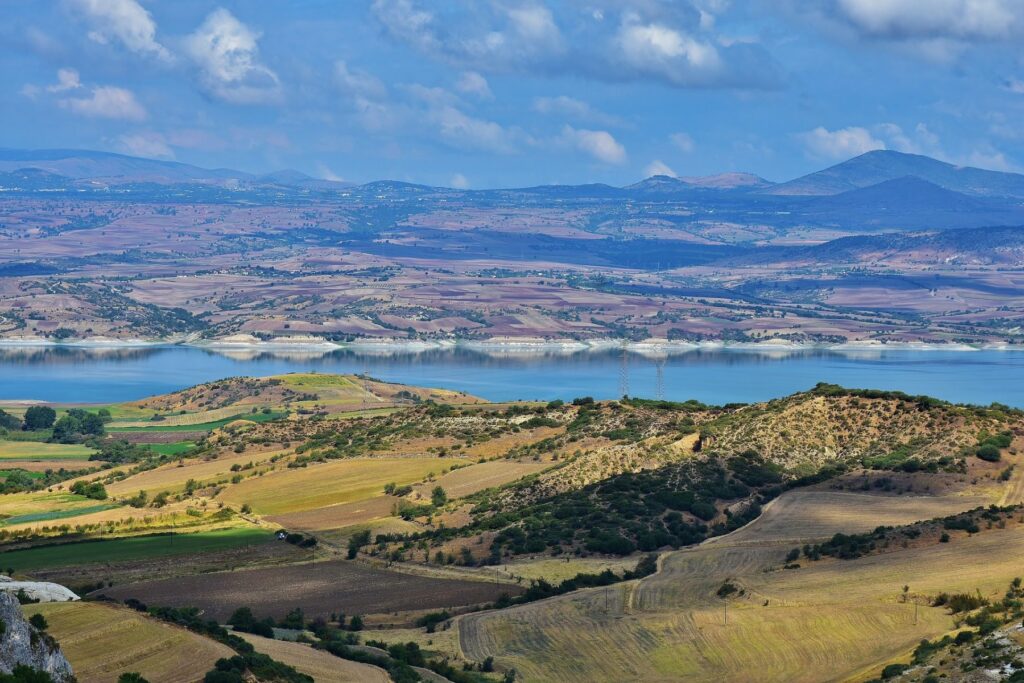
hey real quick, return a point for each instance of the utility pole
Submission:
(624, 372)
(660, 388)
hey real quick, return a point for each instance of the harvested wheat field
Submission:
(102, 642)
(837, 616)
(331, 483)
(172, 477)
(322, 666)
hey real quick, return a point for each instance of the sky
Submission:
(503, 93)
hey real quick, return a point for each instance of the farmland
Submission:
(329, 484)
(323, 667)
(102, 642)
(318, 587)
(133, 548)
(424, 506)
(43, 452)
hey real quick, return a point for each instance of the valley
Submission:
(600, 540)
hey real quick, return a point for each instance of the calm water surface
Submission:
(712, 376)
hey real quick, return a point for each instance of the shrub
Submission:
(988, 452)
(39, 417)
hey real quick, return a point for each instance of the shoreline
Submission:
(655, 347)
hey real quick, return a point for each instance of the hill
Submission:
(108, 167)
(879, 166)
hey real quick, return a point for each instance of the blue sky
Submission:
(491, 93)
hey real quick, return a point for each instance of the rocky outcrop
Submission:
(41, 591)
(23, 644)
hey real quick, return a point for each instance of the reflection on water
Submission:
(75, 374)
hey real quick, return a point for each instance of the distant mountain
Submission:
(728, 181)
(111, 168)
(882, 165)
(974, 246)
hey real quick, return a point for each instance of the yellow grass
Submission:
(200, 417)
(102, 642)
(172, 478)
(558, 569)
(826, 621)
(332, 483)
(322, 666)
(468, 480)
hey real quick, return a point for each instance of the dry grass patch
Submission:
(322, 666)
(102, 642)
(331, 483)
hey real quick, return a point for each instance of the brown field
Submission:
(468, 480)
(838, 617)
(322, 666)
(319, 588)
(102, 641)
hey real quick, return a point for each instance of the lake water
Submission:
(65, 374)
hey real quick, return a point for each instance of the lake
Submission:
(79, 375)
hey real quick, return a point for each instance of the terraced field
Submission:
(789, 625)
(173, 477)
(102, 641)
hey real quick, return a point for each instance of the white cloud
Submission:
(358, 82)
(461, 130)
(599, 144)
(67, 79)
(472, 83)
(839, 144)
(146, 145)
(459, 182)
(573, 108)
(683, 142)
(227, 54)
(126, 21)
(954, 19)
(670, 42)
(327, 174)
(920, 140)
(107, 102)
(658, 167)
(991, 159)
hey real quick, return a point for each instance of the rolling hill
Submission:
(882, 165)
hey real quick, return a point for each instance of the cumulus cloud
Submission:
(125, 21)
(570, 107)
(472, 83)
(151, 145)
(840, 144)
(461, 130)
(600, 144)
(658, 167)
(669, 42)
(920, 140)
(357, 82)
(459, 182)
(67, 79)
(913, 19)
(226, 52)
(683, 142)
(108, 102)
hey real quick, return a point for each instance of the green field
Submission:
(31, 450)
(56, 514)
(202, 427)
(171, 448)
(135, 548)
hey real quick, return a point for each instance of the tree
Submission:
(38, 621)
(356, 623)
(131, 677)
(8, 421)
(40, 417)
(438, 496)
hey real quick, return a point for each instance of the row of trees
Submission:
(75, 425)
